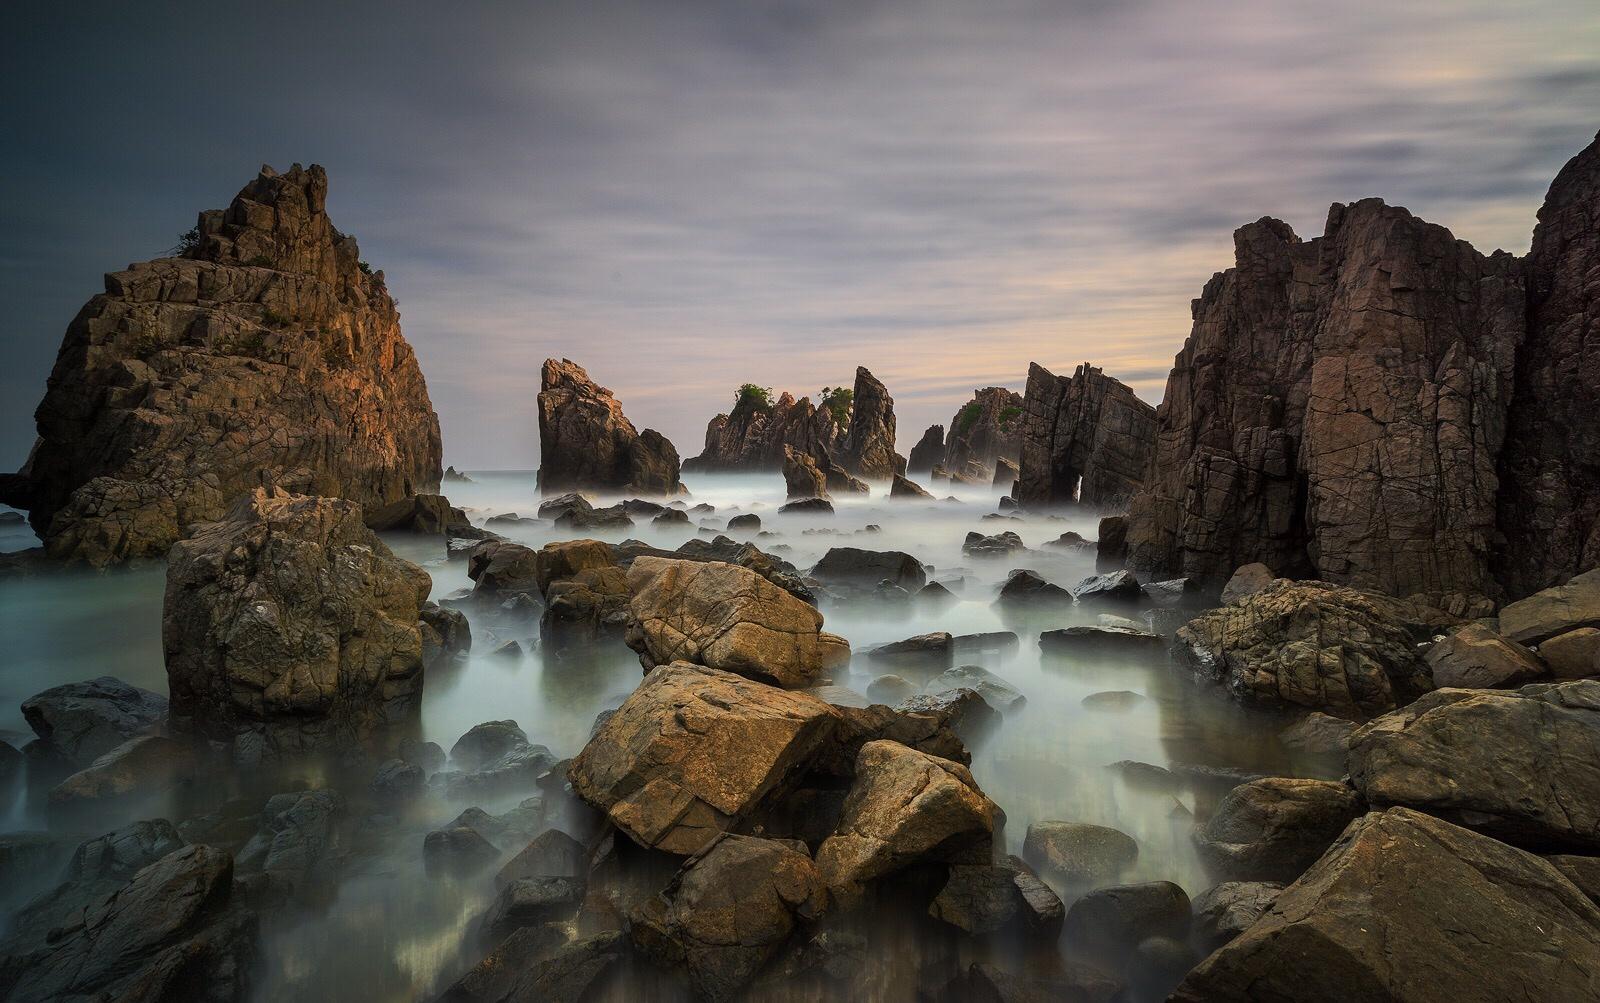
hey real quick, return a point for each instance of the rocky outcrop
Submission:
(986, 429)
(80, 722)
(289, 626)
(802, 476)
(905, 487)
(587, 443)
(1549, 504)
(1411, 909)
(1274, 829)
(727, 617)
(1338, 410)
(928, 452)
(1312, 644)
(1086, 439)
(267, 354)
(867, 449)
(754, 436)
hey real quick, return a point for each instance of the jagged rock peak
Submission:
(868, 447)
(1085, 438)
(752, 437)
(587, 443)
(928, 452)
(984, 431)
(265, 353)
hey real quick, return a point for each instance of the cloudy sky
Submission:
(684, 196)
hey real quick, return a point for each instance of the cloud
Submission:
(684, 197)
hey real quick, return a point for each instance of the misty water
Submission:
(387, 930)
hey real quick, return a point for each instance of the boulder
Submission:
(728, 911)
(747, 523)
(1518, 766)
(923, 651)
(457, 849)
(996, 692)
(500, 568)
(727, 617)
(532, 965)
(1225, 910)
(1313, 644)
(289, 626)
(397, 781)
(905, 487)
(446, 634)
(1246, 580)
(81, 722)
(905, 807)
(694, 750)
(1103, 642)
(803, 476)
(852, 567)
(927, 453)
(775, 570)
(891, 689)
(1086, 439)
(1319, 734)
(807, 506)
(428, 515)
(486, 744)
(266, 353)
(1573, 655)
(491, 759)
(1408, 908)
(1070, 541)
(1554, 611)
(1024, 590)
(1113, 588)
(1274, 829)
(131, 775)
(1474, 657)
(297, 845)
(551, 854)
(587, 443)
(531, 902)
(1112, 921)
(867, 449)
(1005, 899)
(998, 545)
(1078, 853)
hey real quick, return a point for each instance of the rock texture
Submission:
(1411, 909)
(928, 452)
(289, 626)
(867, 449)
(727, 617)
(985, 430)
(1342, 650)
(1085, 438)
(754, 438)
(267, 355)
(587, 443)
(80, 722)
(1274, 829)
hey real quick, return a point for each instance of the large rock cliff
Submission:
(266, 353)
(868, 447)
(753, 437)
(987, 429)
(586, 443)
(1085, 438)
(1338, 411)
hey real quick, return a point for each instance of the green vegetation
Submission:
(968, 417)
(188, 243)
(837, 400)
(366, 269)
(752, 396)
(1009, 413)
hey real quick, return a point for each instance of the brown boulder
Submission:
(587, 443)
(1273, 829)
(802, 475)
(1472, 656)
(1554, 611)
(904, 487)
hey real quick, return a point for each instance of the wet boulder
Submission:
(135, 774)
(501, 568)
(446, 634)
(1474, 657)
(1115, 588)
(905, 487)
(459, 848)
(1410, 908)
(81, 722)
(492, 758)
(298, 844)
(1079, 853)
(854, 568)
(551, 854)
(1311, 644)
(693, 750)
(1274, 829)
(922, 651)
(1225, 910)
(531, 901)
(1005, 899)
(289, 626)
(1026, 590)
(1103, 642)
(1070, 541)
(996, 692)
(774, 569)
(729, 910)
(999, 545)
(727, 617)
(1319, 734)
(487, 743)
(906, 807)
(1519, 766)
(1111, 922)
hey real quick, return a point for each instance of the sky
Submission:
(686, 196)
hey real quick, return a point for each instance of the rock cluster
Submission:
(587, 443)
(752, 437)
(986, 430)
(289, 626)
(1086, 439)
(268, 354)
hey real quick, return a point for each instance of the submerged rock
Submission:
(289, 626)
(998, 545)
(852, 567)
(587, 443)
(1079, 853)
(1005, 899)
(1103, 642)
(81, 722)
(996, 692)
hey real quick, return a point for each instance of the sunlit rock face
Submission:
(1550, 468)
(984, 431)
(752, 437)
(587, 443)
(1338, 411)
(1085, 438)
(266, 353)
(289, 627)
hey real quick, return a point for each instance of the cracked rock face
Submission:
(266, 355)
(727, 617)
(1338, 410)
(694, 751)
(1086, 438)
(984, 431)
(1312, 644)
(586, 443)
(867, 449)
(289, 626)
(756, 438)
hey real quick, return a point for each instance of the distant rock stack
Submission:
(868, 447)
(586, 443)
(753, 437)
(928, 452)
(984, 431)
(1086, 439)
(266, 353)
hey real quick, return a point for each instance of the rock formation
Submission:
(801, 475)
(867, 449)
(267, 354)
(928, 452)
(985, 430)
(753, 437)
(586, 443)
(288, 626)
(1085, 438)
